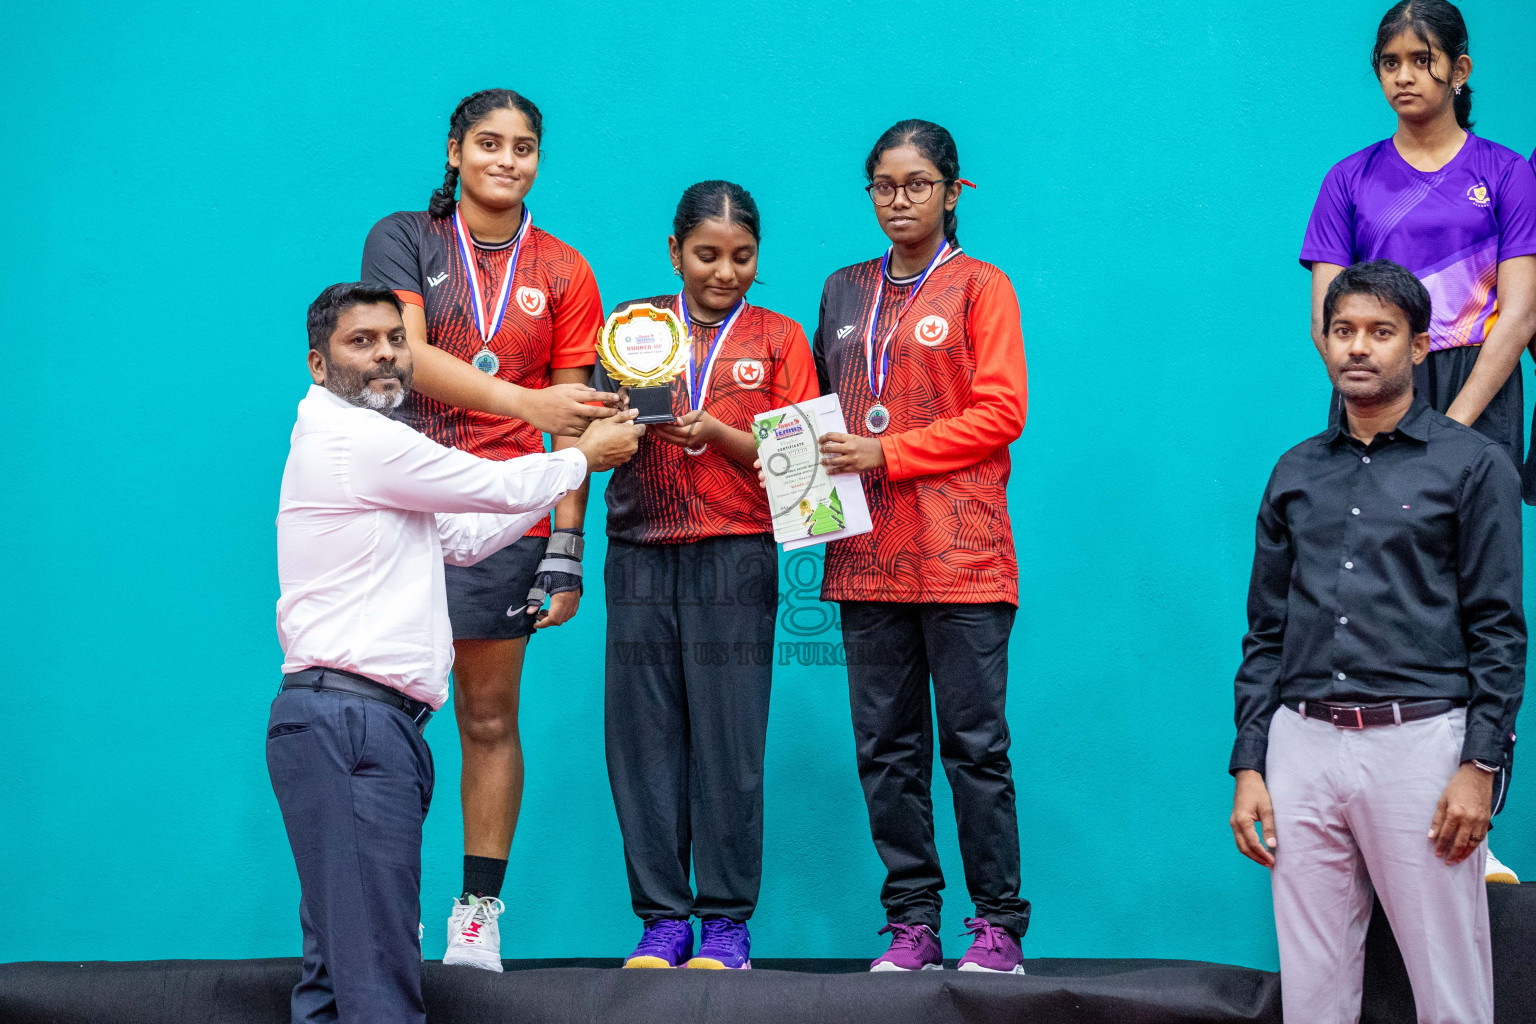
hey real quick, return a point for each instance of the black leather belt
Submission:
(343, 681)
(1366, 716)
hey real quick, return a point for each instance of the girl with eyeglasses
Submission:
(692, 580)
(924, 348)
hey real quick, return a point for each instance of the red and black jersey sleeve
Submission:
(578, 316)
(392, 257)
(993, 417)
(664, 495)
(794, 378)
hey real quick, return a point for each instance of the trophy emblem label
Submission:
(644, 349)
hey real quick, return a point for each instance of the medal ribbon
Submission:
(882, 364)
(698, 389)
(466, 253)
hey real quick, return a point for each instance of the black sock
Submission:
(483, 875)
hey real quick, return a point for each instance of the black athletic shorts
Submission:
(486, 601)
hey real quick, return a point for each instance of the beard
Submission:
(352, 386)
(1383, 387)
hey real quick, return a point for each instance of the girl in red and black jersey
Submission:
(692, 582)
(924, 348)
(501, 317)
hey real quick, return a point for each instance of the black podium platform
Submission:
(775, 992)
(589, 992)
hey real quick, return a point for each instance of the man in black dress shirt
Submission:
(1382, 671)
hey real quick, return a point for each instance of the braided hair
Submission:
(473, 109)
(935, 144)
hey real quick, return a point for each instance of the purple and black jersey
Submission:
(1450, 227)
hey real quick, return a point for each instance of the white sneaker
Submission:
(1496, 871)
(474, 938)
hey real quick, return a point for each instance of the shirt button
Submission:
(1341, 676)
(1349, 565)
(1354, 511)
(1343, 620)
(1366, 459)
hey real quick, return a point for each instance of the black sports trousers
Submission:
(893, 649)
(689, 666)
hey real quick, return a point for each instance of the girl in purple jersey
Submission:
(1457, 210)
(1460, 213)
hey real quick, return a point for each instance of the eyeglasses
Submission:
(917, 190)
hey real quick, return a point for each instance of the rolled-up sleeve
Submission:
(1489, 580)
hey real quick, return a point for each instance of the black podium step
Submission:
(775, 992)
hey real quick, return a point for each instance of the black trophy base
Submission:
(654, 403)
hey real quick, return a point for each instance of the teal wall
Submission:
(178, 185)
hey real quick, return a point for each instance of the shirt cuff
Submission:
(1485, 745)
(892, 454)
(1248, 755)
(576, 459)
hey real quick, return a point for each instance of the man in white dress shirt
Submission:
(370, 510)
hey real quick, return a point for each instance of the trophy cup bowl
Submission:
(644, 348)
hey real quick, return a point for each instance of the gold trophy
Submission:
(644, 349)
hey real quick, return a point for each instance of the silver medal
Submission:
(486, 362)
(877, 419)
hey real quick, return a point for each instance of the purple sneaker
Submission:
(724, 945)
(995, 950)
(914, 947)
(666, 943)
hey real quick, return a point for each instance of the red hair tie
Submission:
(962, 181)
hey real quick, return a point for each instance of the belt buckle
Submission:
(1334, 713)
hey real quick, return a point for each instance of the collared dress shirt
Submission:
(370, 510)
(1387, 571)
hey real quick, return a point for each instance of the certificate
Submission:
(808, 505)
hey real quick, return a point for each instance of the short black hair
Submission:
(1390, 282)
(336, 300)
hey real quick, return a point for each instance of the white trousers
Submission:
(1352, 811)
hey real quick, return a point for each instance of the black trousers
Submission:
(689, 668)
(353, 778)
(893, 649)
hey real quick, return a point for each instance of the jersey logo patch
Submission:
(531, 301)
(433, 282)
(748, 373)
(931, 330)
(844, 331)
(1479, 195)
